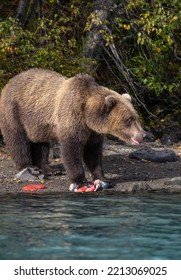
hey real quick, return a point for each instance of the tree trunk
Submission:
(94, 40)
(21, 13)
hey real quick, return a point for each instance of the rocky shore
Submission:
(151, 167)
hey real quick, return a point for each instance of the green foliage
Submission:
(50, 43)
(149, 32)
(141, 51)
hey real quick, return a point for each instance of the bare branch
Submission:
(125, 73)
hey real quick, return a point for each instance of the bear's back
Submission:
(31, 83)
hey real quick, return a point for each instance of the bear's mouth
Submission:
(135, 141)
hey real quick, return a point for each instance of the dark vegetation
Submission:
(128, 45)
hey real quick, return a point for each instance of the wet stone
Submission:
(29, 174)
(174, 181)
(173, 189)
(150, 154)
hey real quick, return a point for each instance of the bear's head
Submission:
(112, 113)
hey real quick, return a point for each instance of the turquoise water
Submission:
(90, 226)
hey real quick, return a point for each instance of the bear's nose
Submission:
(137, 139)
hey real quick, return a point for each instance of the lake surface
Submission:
(90, 226)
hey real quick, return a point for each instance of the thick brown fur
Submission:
(38, 106)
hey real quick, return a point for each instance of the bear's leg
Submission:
(39, 154)
(93, 156)
(19, 148)
(71, 152)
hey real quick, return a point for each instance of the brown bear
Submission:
(39, 105)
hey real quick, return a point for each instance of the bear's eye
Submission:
(129, 121)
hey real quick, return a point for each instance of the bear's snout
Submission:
(138, 138)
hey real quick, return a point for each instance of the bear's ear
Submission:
(127, 96)
(110, 102)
